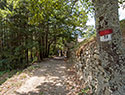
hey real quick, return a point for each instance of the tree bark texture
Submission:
(40, 50)
(46, 41)
(111, 52)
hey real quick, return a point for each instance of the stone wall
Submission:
(90, 69)
(124, 40)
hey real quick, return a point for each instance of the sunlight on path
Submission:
(31, 84)
(49, 79)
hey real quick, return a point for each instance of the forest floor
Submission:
(50, 77)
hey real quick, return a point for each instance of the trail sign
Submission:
(105, 35)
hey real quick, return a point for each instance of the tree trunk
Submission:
(26, 51)
(111, 52)
(31, 55)
(47, 32)
(26, 55)
(49, 48)
(54, 46)
(40, 49)
(43, 46)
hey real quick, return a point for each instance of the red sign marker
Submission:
(105, 32)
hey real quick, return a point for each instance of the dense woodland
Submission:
(31, 30)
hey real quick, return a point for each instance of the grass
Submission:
(4, 75)
(32, 67)
(23, 76)
(41, 93)
(84, 92)
(2, 72)
(2, 81)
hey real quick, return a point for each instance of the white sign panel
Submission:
(105, 38)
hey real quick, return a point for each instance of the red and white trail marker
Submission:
(105, 35)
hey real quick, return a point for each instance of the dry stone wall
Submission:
(90, 69)
(124, 42)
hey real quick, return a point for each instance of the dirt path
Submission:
(47, 78)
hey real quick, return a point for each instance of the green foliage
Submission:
(89, 32)
(84, 92)
(122, 25)
(31, 30)
(121, 1)
(84, 42)
(3, 72)
(41, 93)
(4, 75)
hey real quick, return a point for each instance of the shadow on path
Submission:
(48, 88)
(49, 79)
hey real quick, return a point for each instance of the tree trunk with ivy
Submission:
(111, 52)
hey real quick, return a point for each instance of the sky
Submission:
(91, 20)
